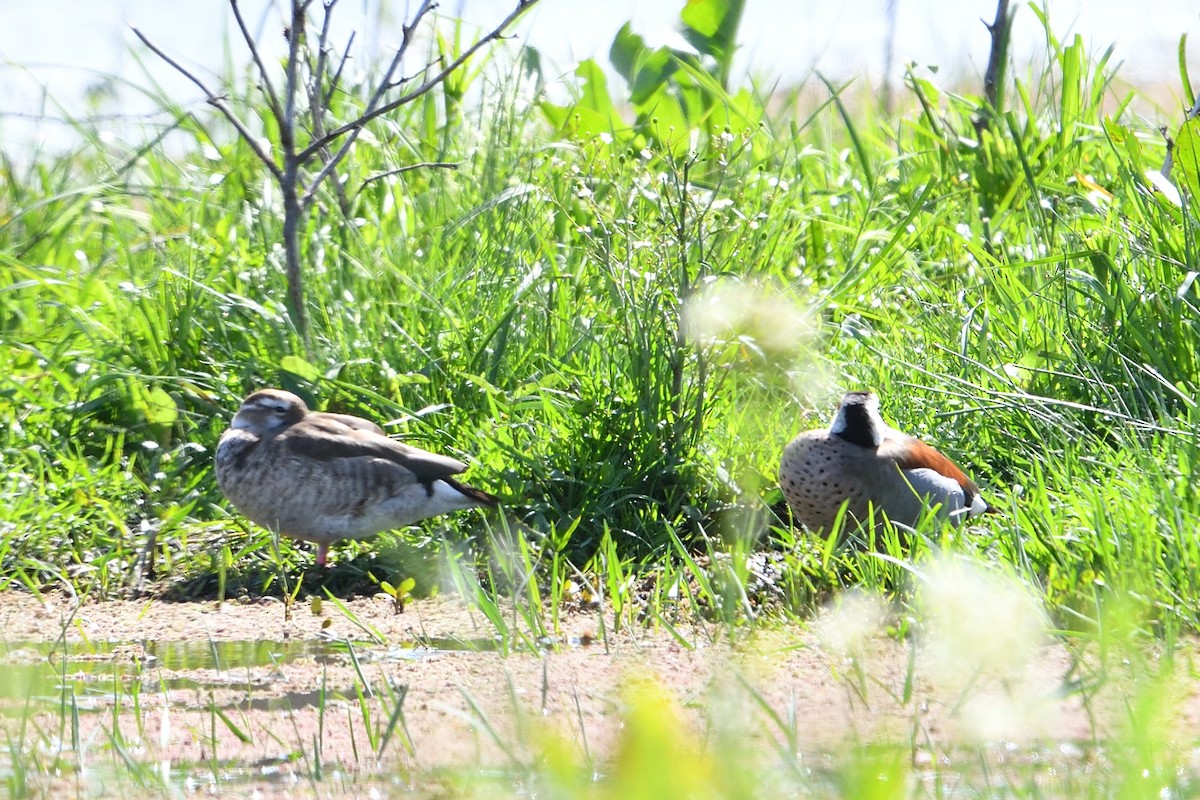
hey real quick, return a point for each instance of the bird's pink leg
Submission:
(322, 551)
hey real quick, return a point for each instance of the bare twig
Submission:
(352, 132)
(396, 84)
(268, 86)
(218, 102)
(335, 80)
(317, 100)
(1169, 158)
(406, 168)
(295, 44)
(307, 78)
(495, 33)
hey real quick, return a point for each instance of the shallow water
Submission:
(95, 675)
(311, 712)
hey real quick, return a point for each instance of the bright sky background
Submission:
(51, 51)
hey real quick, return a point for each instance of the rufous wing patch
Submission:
(918, 455)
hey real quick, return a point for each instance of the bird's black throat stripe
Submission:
(859, 429)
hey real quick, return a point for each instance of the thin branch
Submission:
(419, 75)
(317, 102)
(406, 168)
(287, 127)
(496, 33)
(1169, 159)
(336, 78)
(385, 82)
(352, 134)
(219, 103)
(268, 87)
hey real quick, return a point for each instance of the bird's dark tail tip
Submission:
(478, 495)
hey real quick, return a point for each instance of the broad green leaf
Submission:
(653, 73)
(645, 70)
(299, 367)
(557, 115)
(707, 103)
(704, 16)
(627, 47)
(1187, 157)
(1123, 138)
(593, 87)
(664, 119)
(593, 113)
(159, 408)
(711, 27)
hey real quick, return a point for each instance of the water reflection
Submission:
(93, 675)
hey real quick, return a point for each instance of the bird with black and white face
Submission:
(863, 462)
(322, 477)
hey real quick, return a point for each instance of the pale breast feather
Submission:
(234, 448)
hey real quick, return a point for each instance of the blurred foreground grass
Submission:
(620, 326)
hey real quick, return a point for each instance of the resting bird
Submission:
(323, 477)
(861, 460)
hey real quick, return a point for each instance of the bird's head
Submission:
(269, 410)
(858, 421)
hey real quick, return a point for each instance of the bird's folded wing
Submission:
(349, 420)
(912, 453)
(328, 439)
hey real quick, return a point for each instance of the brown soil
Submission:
(575, 688)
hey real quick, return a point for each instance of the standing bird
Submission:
(323, 477)
(861, 460)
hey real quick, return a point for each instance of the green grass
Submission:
(621, 338)
(620, 335)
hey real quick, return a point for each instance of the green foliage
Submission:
(621, 334)
(675, 94)
(620, 327)
(1187, 156)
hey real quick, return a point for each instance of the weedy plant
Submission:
(623, 321)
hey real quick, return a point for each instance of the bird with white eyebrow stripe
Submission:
(322, 477)
(861, 461)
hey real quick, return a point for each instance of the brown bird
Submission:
(322, 477)
(860, 460)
